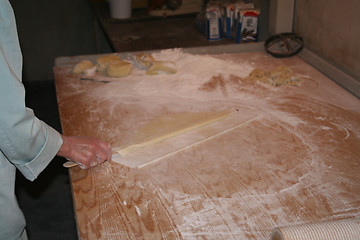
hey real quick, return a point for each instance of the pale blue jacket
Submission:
(26, 143)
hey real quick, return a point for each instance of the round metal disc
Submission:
(284, 45)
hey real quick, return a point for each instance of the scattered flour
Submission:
(244, 211)
(138, 210)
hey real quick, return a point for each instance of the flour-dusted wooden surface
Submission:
(297, 163)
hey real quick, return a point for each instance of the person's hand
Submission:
(87, 152)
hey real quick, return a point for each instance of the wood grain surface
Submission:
(298, 163)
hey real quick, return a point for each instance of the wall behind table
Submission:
(48, 29)
(331, 29)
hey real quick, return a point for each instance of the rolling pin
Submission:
(343, 229)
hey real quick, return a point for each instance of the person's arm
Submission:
(25, 141)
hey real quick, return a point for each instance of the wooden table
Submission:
(298, 162)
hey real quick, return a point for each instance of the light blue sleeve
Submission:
(25, 141)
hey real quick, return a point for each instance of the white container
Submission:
(120, 9)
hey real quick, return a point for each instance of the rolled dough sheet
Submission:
(153, 153)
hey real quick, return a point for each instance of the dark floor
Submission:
(47, 202)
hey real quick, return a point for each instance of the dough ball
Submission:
(82, 66)
(162, 67)
(144, 61)
(104, 61)
(119, 69)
